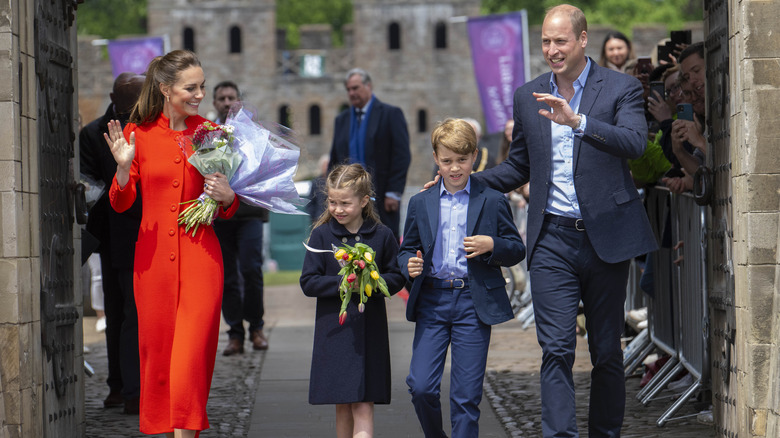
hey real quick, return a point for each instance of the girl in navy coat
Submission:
(350, 362)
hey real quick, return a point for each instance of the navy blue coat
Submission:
(488, 214)
(351, 362)
(614, 217)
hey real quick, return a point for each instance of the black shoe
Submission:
(131, 406)
(114, 400)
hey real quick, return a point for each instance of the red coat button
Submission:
(176, 183)
(173, 207)
(171, 232)
(173, 256)
(177, 160)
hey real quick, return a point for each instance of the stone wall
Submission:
(416, 77)
(20, 329)
(755, 147)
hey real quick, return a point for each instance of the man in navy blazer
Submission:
(574, 130)
(457, 236)
(374, 134)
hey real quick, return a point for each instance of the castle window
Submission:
(285, 116)
(441, 36)
(394, 31)
(422, 121)
(235, 39)
(189, 39)
(314, 120)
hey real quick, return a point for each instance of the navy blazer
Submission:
(614, 217)
(387, 147)
(488, 214)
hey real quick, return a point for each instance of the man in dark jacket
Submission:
(241, 238)
(117, 233)
(374, 134)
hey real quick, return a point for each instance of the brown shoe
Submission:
(235, 346)
(114, 400)
(259, 342)
(131, 406)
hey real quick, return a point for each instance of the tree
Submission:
(112, 18)
(291, 14)
(622, 15)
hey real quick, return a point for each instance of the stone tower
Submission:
(418, 57)
(234, 39)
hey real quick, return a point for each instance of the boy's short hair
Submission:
(456, 135)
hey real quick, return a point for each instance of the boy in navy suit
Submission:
(457, 236)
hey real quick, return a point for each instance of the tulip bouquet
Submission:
(360, 275)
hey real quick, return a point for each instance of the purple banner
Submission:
(133, 55)
(499, 52)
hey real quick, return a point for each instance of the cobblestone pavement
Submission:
(230, 403)
(511, 386)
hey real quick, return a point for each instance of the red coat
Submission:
(177, 281)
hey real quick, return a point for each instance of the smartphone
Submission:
(657, 86)
(684, 111)
(644, 65)
(681, 37)
(664, 50)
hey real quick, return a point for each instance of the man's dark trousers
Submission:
(242, 254)
(121, 328)
(564, 270)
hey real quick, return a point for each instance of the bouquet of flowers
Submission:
(270, 155)
(258, 159)
(211, 151)
(359, 275)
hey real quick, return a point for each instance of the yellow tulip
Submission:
(375, 275)
(368, 257)
(368, 290)
(339, 254)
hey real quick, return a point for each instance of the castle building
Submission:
(417, 53)
(419, 60)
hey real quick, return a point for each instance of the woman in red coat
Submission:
(177, 277)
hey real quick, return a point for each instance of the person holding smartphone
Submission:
(688, 134)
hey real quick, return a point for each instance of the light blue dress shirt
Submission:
(449, 255)
(561, 196)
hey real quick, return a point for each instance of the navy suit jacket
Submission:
(614, 217)
(387, 147)
(488, 214)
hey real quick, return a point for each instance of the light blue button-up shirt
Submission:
(561, 196)
(449, 255)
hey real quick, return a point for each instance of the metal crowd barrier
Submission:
(689, 228)
(677, 313)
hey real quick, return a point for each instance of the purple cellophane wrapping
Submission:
(270, 159)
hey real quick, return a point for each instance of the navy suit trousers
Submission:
(564, 270)
(242, 256)
(447, 318)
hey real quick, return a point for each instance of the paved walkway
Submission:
(264, 394)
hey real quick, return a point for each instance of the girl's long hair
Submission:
(353, 177)
(162, 70)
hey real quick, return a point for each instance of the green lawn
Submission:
(281, 278)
